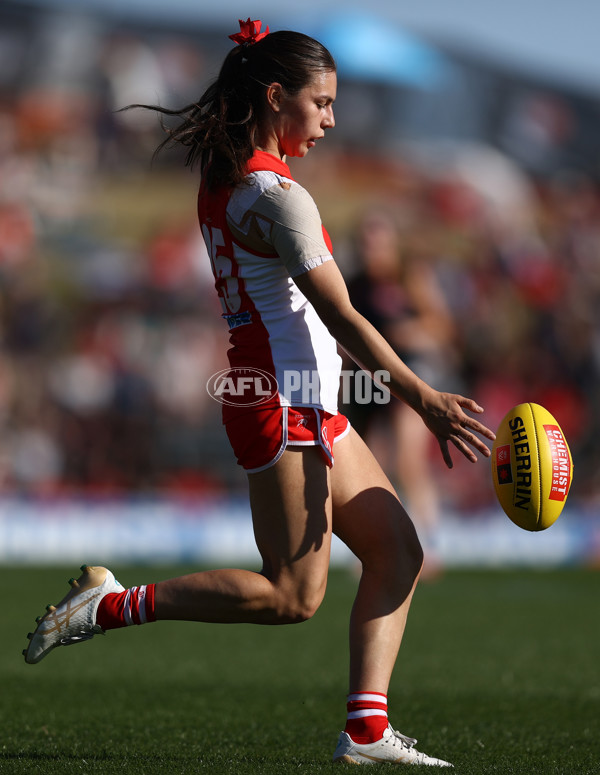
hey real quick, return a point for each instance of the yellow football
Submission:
(532, 467)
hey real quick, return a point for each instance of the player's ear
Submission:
(274, 96)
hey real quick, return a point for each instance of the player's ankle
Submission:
(121, 609)
(367, 716)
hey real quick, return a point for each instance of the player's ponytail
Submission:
(221, 128)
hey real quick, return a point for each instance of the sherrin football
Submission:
(532, 467)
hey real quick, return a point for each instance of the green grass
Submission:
(499, 673)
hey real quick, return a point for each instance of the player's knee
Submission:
(408, 551)
(398, 554)
(414, 556)
(300, 607)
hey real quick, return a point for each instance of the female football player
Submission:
(287, 308)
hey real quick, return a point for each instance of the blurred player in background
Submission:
(395, 288)
(287, 307)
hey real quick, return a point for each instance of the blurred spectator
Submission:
(397, 290)
(537, 128)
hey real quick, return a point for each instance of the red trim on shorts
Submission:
(260, 437)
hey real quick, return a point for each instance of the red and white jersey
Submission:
(259, 236)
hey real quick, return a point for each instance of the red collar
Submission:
(261, 160)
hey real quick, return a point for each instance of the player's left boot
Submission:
(73, 620)
(393, 748)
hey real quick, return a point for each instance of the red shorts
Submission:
(259, 437)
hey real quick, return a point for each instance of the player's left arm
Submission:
(443, 413)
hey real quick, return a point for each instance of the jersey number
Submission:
(222, 266)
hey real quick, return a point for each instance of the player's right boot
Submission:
(73, 620)
(393, 748)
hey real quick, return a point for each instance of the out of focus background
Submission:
(461, 190)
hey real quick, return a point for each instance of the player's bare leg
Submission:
(291, 512)
(291, 504)
(370, 519)
(416, 481)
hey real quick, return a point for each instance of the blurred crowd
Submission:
(486, 278)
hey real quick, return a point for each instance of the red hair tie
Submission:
(249, 32)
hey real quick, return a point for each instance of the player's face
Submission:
(299, 120)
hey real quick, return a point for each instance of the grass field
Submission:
(499, 673)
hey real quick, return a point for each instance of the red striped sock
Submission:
(121, 609)
(367, 716)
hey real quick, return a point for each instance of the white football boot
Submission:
(73, 620)
(393, 748)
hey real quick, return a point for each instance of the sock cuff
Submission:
(367, 696)
(362, 704)
(138, 606)
(149, 603)
(366, 712)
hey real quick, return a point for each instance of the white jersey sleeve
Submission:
(274, 215)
